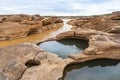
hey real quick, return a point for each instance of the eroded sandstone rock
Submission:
(51, 20)
(100, 22)
(13, 59)
(16, 26)
(29, 62)
(101, 44)
(15, 30)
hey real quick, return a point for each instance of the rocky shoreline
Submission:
(28, 62)
(17, 26)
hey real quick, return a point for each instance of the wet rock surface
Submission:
(29, 62)
(16, 26)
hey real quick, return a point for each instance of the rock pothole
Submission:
(32, 63)
(64, 47)
(99, 69)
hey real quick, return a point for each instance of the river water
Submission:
(38, 37)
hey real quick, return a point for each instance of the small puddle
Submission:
(93, 70)
(64, 47)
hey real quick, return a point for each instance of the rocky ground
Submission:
(29, 62)
(16, 26)
(99, 22)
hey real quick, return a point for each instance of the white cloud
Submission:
(59, 7)
(95, 8)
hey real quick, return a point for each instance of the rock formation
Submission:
(51, 20)
(101, 44)
(29, 62)
(101, 22)
(16, 26)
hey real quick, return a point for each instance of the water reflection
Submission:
(64, 47)
(80, 43)
(93, 70)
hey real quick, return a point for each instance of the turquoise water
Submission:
(64, 47)
(93, 70)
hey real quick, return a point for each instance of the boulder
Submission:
(51, 20)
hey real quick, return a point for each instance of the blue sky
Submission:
(59, 7)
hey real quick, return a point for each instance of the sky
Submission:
(59, 7)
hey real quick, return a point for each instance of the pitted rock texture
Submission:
(29, 62)
(16, 26)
